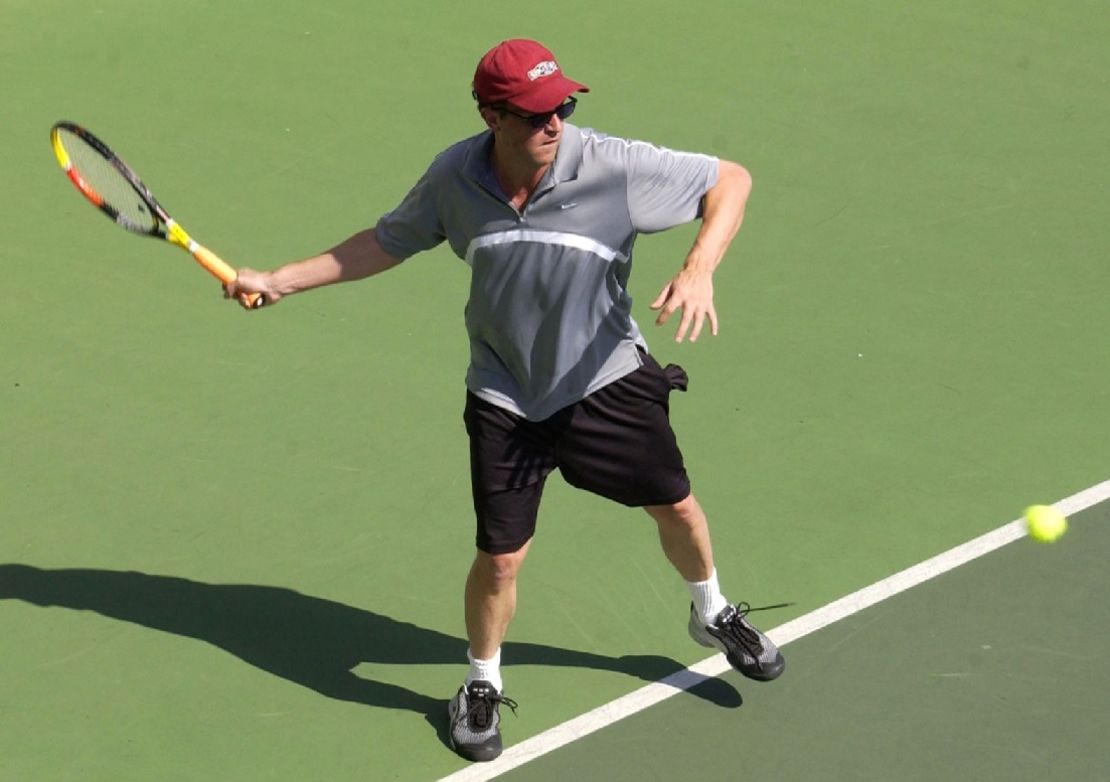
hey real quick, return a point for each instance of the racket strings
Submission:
(109, 187)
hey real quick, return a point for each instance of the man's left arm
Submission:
(691, 290)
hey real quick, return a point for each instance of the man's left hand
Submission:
(691, 292)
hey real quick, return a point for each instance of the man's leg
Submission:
(509, 460)
(491, 600)
(684, 535)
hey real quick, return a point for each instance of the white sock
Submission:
(707, 597)
(485, 670)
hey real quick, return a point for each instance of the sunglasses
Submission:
(537, 121)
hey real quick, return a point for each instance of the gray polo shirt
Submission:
(549, 315)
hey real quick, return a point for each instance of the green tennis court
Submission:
(233, 546)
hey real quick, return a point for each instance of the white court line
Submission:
(656, 692)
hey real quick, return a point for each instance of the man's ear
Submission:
(490, 116)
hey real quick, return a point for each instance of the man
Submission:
(546, 214)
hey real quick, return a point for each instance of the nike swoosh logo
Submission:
(571, 205)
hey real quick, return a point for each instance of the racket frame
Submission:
(163, 226)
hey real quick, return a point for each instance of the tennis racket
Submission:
(111, 186)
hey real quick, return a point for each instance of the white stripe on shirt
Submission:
(543, 237)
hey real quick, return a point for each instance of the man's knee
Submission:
(685, 513)
(499, 570)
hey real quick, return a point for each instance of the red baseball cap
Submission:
(522, 72)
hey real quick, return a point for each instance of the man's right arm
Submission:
(358, 257)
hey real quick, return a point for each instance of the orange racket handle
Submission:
(219, 269)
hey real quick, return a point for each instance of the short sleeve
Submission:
(415, 224)
(665, 187)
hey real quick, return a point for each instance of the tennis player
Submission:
(545, 214)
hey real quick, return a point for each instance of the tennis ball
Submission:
(1045, 523)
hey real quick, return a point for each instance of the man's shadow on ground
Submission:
(310, 641)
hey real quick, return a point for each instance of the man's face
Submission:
(532, 136)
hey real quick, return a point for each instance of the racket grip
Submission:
(218, 268)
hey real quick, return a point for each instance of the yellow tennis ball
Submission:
(1045, 523)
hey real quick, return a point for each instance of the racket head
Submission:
(106, 181)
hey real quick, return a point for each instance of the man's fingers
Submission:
(693, 321)
(666, 306)
(684, 324)
(661, 298)
(695, 310)
(249, 288)
(699, 321)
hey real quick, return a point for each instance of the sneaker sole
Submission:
(483, 754)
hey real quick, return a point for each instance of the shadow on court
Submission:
(310, 641)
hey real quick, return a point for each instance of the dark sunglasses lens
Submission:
(562, 112)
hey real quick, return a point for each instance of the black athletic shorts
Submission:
(617, 443)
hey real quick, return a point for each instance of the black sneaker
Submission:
(474, 721)
(748, 651)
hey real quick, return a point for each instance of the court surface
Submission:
(1003, 677)
(232, 546)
